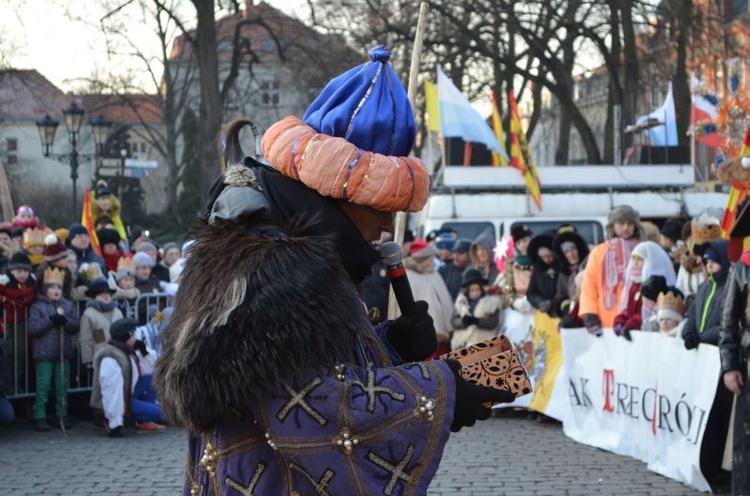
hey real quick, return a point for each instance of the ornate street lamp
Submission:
(47, 129)
(100, 129)
(73, 117)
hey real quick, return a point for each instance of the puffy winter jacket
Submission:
(46, 335)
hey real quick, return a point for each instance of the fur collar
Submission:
(486, 305)
(256, 310)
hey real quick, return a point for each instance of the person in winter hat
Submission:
(109, 242)
(310, 219)
(123, 373)
(481, 256)
(651, 288)
(18, 293)
(79, 241)
(703, 325)
(6, 245)
(670, 238)
(647, 259)
(476, 315)
(126, 293)
(25, 218)
(543, 284)
(571, 251)
(55, 255)
(105, 204)
(452, 271)
(703, 228)
(159, 270)
(605, 274)
(101, 311)
(514, 282)
(52, 323)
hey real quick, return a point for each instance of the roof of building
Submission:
(26, 95)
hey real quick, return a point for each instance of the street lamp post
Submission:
(73, 117)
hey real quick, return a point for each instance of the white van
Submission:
(472, 199)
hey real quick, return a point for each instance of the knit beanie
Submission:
(624, 213)
(148, 247)
(141, 259)
(54, 249)
(520, 231)
(76, 229)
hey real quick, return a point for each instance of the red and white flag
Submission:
(702, 111)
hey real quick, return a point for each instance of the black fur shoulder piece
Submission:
(254, 312)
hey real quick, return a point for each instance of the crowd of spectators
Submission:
(84, 308)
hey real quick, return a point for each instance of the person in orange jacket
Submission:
(604, 277)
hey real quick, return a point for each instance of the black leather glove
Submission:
(58, 320)
(592, 323)
(413, 336)
(692, 340)
(469, 320)
(140, 346)
(470, 398)
(622, 331)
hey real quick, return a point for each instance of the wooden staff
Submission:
(399, 226)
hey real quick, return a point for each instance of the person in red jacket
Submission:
(18, 293)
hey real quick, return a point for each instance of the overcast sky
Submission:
(42, 36)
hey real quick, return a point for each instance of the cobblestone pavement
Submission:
(509, 454)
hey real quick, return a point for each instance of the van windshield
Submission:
(471, 230)
(590, 230)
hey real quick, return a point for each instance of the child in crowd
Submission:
(52, 321)
(101, 311)
(543, 283)
(158, 270)
(476, 315)
(126, 293)
(703, 319)
(55, 255)
(33, 244)
(145, 280)
(651, 288)
(670, 312)
(123, 370)
(109, 242)
(18, 293)
(646, 259)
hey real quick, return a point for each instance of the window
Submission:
(11, 149)
(470, 230)
(270, 92)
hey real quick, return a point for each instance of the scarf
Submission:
(101, 306)
(522, 261)
(111, 259)
(291, 200)
(615, 262)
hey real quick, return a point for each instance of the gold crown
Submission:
(34, 236)
(91, 272)
(54, 275)
(705, 228)
(670, 301)
(125, 263)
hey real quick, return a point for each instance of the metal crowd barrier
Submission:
(19, 346)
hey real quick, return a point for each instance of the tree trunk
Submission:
(680, 82)
(630, 70)
(209, 114)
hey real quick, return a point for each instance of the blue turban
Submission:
(367, 106)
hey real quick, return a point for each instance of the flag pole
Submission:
(399, 225)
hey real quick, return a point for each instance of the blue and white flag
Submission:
(458, 119)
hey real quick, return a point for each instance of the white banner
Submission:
(648, 398)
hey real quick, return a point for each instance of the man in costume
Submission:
(270, 362)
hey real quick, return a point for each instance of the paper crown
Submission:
(34, 236)
(54, 275)
(705, 228)
(354, 141)
(670, 306)
(126, 263)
